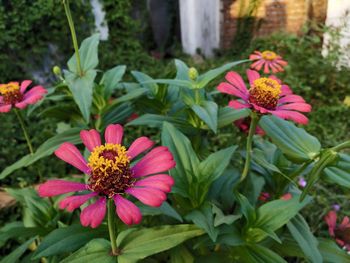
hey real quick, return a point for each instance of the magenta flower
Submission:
(266, 95)
(341, 233)
(244, 125)
(14, 95)
(113, 173)
(269, 60)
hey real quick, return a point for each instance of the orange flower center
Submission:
(265, 93)
(11, 93)
(269, 55)
(110, 170)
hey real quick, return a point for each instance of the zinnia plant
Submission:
(112, 177)
(268, 60)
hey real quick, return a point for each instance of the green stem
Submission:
(341, 146)
(197, 96)
(24, 129)
(74, 35)
(253, 124)
(111, 226)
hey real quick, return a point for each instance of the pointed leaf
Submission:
(207, 112)
(227, 116)
(111, 78)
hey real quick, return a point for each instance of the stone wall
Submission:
(271, 16)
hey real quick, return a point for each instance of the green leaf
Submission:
(67, 239)
(331, 252)
(165, 209)
(180, 254)
(204, 218)
(175, 82)
(133, 94)
(261, 254)
(149, 241)
(88, 52)
(294, 142)
(220, 218)
(117, 114)
(306, 240)
(82, 89)
(186, 159)
(142, 78)
(46, 149)
(227, 116)
(18, 252)
(205, 78)
(339, 173)
(273, 215)
(246, 208)
(111, 78)
(207, 112)
(96, 249)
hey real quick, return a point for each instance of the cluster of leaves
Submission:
(211, 215)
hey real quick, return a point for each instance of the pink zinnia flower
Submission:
(341, 233)
(266, 95)
(269, 60)
(14, 95)
(264, 197)
(112, 175)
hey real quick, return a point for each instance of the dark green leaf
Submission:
(111, 79)
(142, 78)
(18, 252)
(228, 115)
(220, 218)
(207, 112)
(180, 254)
(165, 209)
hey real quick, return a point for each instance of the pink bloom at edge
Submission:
(266, 95)
(340, 232)
(113, 174)
(268, 60)
(14, 95)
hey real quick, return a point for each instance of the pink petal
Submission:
(73, 202)
(236, 80)
(162, 182)
(148, 196)
(5, 108)
(139, 145)
(299, 106)
(257, 65)
(114, 134)
(252, 75)
(291, 98)
(127, 211)
(229, 89)
(70, 154)
(345, 222)
(238, 105)
(266, 67)
(31, 97)
(286, 90)
(59, 187)
(24, 85)
(331, 220)
(91, 139)
(281, 62)
(156, 161)
(94, 214)
(291, 115)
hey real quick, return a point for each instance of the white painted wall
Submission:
(100, 22)
(200, 25)
(338, 16)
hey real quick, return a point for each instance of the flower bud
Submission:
(192, 73)
(57, 70)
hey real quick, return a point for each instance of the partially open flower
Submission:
(265, 95)
(269, 60)
(14, 95)
(113, 174)
(341, 233)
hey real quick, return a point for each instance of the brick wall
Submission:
(271, 16)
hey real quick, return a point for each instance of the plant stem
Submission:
(24, 129)
(74, 35)
(341, 146)
(253, 124)
(197, 96)
(111, 226)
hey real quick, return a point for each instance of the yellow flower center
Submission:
(265, 93)
(11, 93)
(269, 55)
(110, 170)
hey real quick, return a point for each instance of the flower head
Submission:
(14, 95)
(341, 233)
(269, 60)
(265, 95)
(113, 174)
